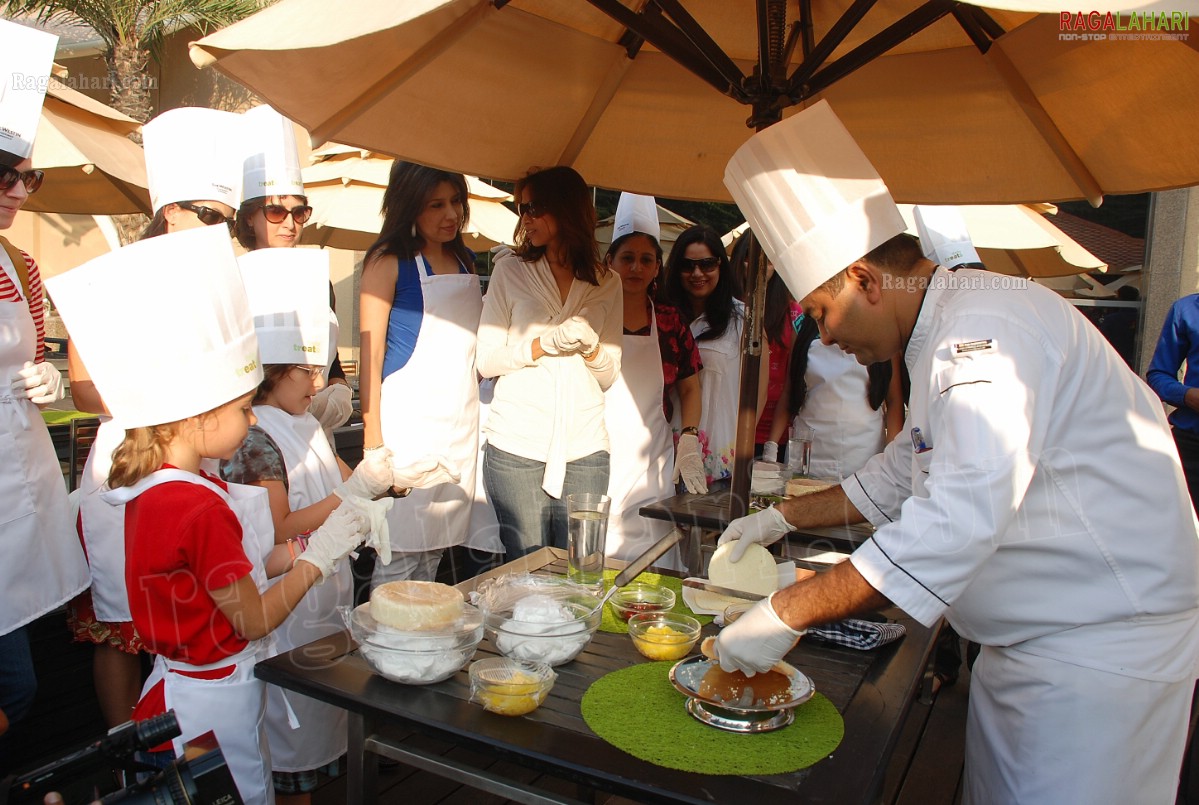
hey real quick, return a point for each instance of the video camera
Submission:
(200, 777)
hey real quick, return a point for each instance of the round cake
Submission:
(416, 606)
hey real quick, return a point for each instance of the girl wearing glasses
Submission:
(43, 566)
(192, 179)
(420, 303)
(551, 332)
(272, 215)
(703, 286)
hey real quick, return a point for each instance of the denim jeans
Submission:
(529, 518)
(18, 684)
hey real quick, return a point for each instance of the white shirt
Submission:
(538, 401)
(1046, 506)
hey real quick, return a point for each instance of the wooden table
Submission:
(873, 690)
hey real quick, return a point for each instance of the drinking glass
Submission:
(799, 451)
(587, 530)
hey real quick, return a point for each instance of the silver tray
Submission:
(755, 716)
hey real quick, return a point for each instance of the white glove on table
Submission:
(425, 472)
(342, 532)
(332, 405)
(41, 383)
(770, 451)
(755, 641)
(379, 534)
(765, 528)
(689, 465)
(371, 478)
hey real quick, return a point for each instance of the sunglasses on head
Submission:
(704, 264)
(10, 176)
(531, 209)
(277, 213)
(207, 215)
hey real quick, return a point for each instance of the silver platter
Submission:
(760, 716)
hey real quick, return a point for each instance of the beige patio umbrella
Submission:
(91, 166)
(345, 188)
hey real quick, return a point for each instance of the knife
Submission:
(716, 588)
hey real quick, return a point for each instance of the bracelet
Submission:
(690, 429)
(589, 355)
(291, 551)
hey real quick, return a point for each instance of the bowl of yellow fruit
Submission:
(663, 636)
(510, 687)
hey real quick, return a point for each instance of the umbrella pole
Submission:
(751, 368)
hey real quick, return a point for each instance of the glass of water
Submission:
(587, 530)
(799, 451)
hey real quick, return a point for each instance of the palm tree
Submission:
(134, 31)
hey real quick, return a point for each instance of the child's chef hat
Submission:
(25, 61)
(811, 196)
(636, 213)
(271, 162)
(289, 297)
(192, 155)
(944, 238)
(163, 326)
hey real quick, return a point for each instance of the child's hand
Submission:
(371, 478)
(343, 531)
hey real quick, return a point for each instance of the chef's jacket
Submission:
(1037, 498)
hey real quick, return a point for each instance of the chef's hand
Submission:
(689, 466)
(371, 478)
(379, 535)
(770, 451)
(757, 640)
(343, 531)
(41, 383)
(332, 405)
(424, 472)
(764, 528)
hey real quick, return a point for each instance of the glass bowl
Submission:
(416, 658)
(510, 687)
(637, 598)
(663, 636)
(539, 619)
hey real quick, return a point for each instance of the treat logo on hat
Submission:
(251, 365)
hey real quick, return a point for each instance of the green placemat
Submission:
(611, 623)
(56, 417)
(637, 710)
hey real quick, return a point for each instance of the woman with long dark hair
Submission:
(703, 286)
(419, 303)
(550, 331)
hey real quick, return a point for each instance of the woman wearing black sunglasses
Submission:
(703, 286)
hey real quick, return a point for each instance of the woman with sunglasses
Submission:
(551, 333)
(192, 175)
(42, 564)
(272, 215)
(702, 285)
(419, 304)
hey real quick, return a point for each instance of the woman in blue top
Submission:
(420, 303)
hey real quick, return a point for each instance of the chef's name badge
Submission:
(981, 345)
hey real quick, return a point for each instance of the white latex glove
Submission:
(379, 536)
(342, 532)
(41, 383)
(425, 472)
(770, 451)
(755, 641)
(371, 478)
(765, 528)
(579, 329)
(332, 405)
(689, 465)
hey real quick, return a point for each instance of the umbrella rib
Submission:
(699, 39)
(817, 55)
(967, 22)
(599, 102)
(1023, 94)
(413, 64)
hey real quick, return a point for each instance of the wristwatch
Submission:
(694, 431)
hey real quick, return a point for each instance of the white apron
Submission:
(431, 406)
(847, 432)
(484, 533)
(720, 386)
(642, 447)
(44, 564)
(104, 528)
(312, 474)
(234, 707)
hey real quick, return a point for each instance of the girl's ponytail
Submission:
(141, 453)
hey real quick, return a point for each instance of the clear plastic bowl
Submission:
(637, 598)
(510, 687)
(539, 619)
(417, 658)
(664, 636)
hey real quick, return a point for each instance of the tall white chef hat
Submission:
(271, 162)
(25, 62)
(191, 155)
(943, 235)
(811, 196)
(163, 326)
(636, 213)
(289, 297)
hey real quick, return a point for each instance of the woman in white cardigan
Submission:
(550, 332)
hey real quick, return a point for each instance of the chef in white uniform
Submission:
(1037, 501)
(42, 565)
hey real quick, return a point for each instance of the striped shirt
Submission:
(10, 292)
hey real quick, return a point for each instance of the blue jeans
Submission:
(18, 684)
(529, 518)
